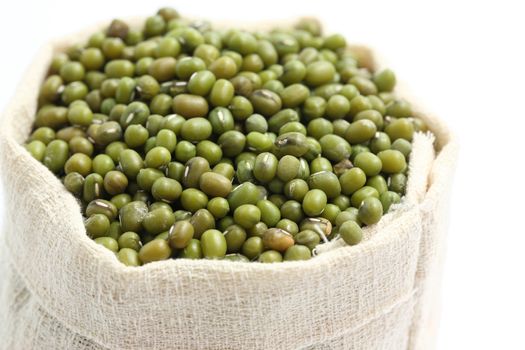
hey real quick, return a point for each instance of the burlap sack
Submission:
(60, 290)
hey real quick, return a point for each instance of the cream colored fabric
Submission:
(60, 290)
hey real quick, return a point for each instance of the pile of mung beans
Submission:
(181, 141)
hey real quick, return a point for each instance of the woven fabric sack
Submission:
(60, 290)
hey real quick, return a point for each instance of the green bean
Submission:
(182, 141)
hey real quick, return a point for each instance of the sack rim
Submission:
(448, 151)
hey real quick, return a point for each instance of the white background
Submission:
(464, 61)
